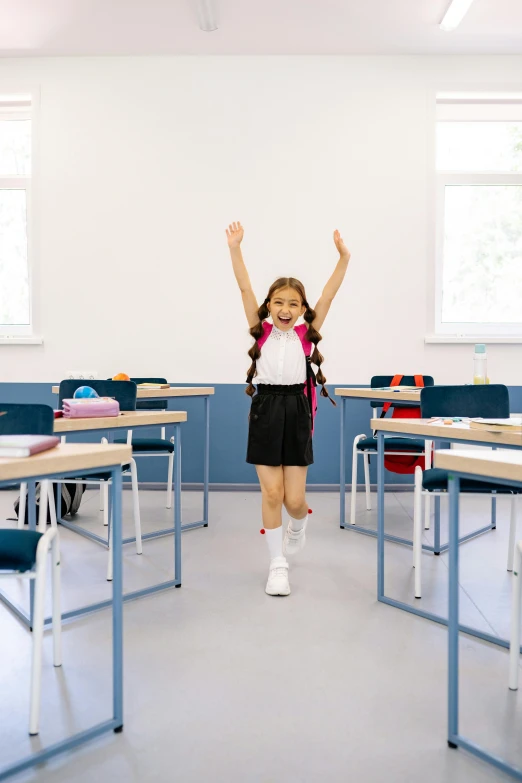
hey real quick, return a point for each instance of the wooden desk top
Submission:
(161, 394)
(126, 419)
(65, 457)
(491, 464)
(411, 395)
(421, 428)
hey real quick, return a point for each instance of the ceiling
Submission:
(323, 27)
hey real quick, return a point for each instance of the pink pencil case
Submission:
(90, 409)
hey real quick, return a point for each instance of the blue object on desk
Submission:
(85, 393)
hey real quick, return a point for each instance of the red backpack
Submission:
(397, 463)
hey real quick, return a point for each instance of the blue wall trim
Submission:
(228, 434)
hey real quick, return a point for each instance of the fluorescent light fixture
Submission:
(455, 14)
(207, 16)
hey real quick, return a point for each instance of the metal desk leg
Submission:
(206, 467)
(117, 600)
(177, 505)
(342, 476)
(453, 613)
(380, 516)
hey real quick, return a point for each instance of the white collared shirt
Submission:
(282, 361)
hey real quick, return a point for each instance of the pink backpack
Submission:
(311, 383)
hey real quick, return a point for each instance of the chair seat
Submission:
(100, 476)
(437, 479)
(148, 444)
(18, 549)
(392, 444)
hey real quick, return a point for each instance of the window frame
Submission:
(460, 330)
(21, 105)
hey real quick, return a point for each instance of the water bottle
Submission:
(480, 365)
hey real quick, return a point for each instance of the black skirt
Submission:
(280, 428)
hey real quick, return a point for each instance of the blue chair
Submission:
(366, 446)
(488, 401)
(154, 447)
(23, 553)
(29, 419)
(125, 393)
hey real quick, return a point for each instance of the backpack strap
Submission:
(301, 331)
(387, 405)
(311, 382)
(267, 330)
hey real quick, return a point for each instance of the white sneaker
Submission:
(278, 577)
(293, 542)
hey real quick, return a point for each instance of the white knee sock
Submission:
(274, 539)
(297, 524)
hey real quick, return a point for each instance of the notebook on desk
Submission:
(153, 385)
(26, 445)
(397, 388)
(497, 425)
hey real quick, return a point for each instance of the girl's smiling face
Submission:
(285, 307)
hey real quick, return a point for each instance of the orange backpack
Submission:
(397, 463)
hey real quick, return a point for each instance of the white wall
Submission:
(144, 161)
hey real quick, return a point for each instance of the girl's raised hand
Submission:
(339, 244)
(234, 234)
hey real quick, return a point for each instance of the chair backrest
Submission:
(26, 419)
(151, 405)
(486, 401)
(123, 391)
(378, 381)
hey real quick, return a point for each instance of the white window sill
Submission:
(21, 340)
(489, 339)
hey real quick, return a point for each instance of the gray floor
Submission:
(223, 683)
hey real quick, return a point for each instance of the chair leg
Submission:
(512, 531)
(170, 478)
(417, 531)
(366, 462)
(353, 497)
(514, 645)
(104, 487)
(52, 505)
(38, 629)
(44, 499)
(22, 506)
(136, 506)
(57, 611)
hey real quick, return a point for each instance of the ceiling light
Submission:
(455, 14)
(207, 16)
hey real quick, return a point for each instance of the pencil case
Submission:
(90, 409)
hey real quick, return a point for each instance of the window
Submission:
(15, 198)
(479, 215)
